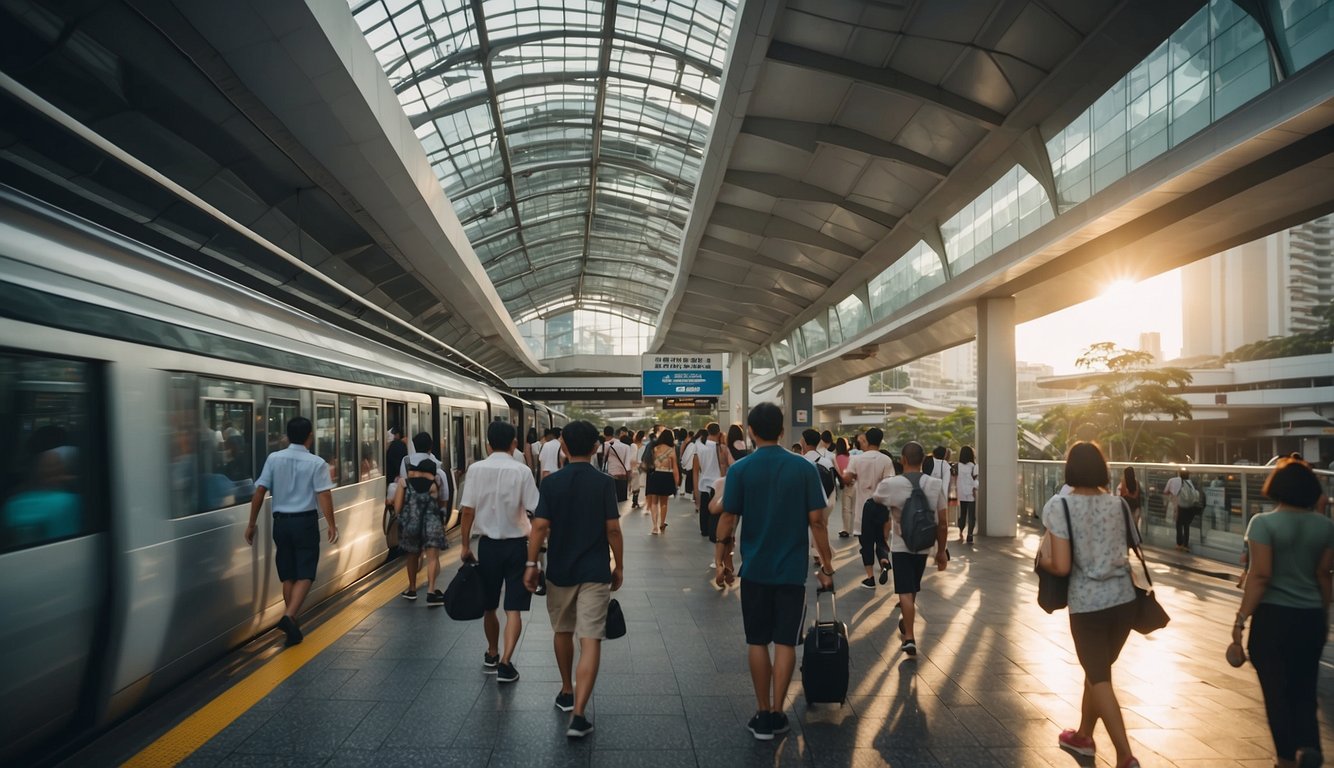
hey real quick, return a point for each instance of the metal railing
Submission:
(1231, 498)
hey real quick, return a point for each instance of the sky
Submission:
(1119, 315)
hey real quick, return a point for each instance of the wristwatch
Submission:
(530, 564)
(826, 571)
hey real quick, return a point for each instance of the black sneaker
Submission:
(761, 727)
(489, 663)
(868, 583)
(506, 673)
(970, 540)
(884, 572)
(778, 723)
(843, 534)
(565, 702)
(290, 628)
(579, 727)
(436, 598)
(910, 647)
(408, 594)
(541, 584)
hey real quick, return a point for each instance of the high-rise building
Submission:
(1310, 271)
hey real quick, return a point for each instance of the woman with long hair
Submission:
(847, 497)
(966, 488)
(1288, 590)
(1086, 540)
(1129, 490)
(736, 442)
(636, 475)
(663, 478)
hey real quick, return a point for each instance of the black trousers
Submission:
(872, 537)
(707, 523)
(1184, 518)
(1285, 646)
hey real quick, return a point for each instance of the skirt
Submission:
(660, 483)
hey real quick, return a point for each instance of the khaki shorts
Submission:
(581, 609)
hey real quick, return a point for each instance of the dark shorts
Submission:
(296, 540)
(710, 519)
(908, 569)
(1099, 637)
(771, 613)
(660, 483)
(500, 561)
(622, 487)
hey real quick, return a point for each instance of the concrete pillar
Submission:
(997, 419)
(738, 391)
(798, 406)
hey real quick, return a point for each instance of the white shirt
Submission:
(501, 493)
(441, 479)
(549, 459)
(709, 470)
(618, 458)
(688, 455)
(871, 467)
(894, 492)
(1173, 486)
(967, 485)
(517, 455)
(294, 477)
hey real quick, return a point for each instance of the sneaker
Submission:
(289, 627)
(506, 673)
(761, 727)
(1080, 745)
(1309, 757)
(489, 663)
(408, 594)
(579, 727)
(436, 598)
(565, 701)
(778, 723)
(541, 590)
(970, 540)
(843, 534)
(868, 583)
(884, 573)
(910, 647)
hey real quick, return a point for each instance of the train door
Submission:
(396, 415)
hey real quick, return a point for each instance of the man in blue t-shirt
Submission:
(579, 519)
(779, 496)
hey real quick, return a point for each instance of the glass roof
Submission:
(568, 134)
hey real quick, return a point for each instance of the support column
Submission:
(798, 406)
(738, 391)
(997, 419)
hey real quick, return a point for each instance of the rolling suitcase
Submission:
(824, 657)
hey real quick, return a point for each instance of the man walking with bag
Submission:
(778, 495)
(579, 520)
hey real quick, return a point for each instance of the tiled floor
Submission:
(994, 683)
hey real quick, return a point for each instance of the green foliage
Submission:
(953, 430)
(893, 380)
(1127, 396)
(1315, 342)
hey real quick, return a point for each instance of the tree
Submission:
(1313, 342)
(1127, 394)
(953, 430)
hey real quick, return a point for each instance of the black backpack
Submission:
(826, 476)
(917, 519)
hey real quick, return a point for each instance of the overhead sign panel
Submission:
(677, 375)
(689, 403)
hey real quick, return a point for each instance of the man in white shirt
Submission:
(810, 446)
(867, 469)
(616, 462)
(496, 501)
(710, 463)
(549, 459)
(1183, 516)
(909, 566)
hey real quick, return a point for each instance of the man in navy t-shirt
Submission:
(778, 495)
(578, 510)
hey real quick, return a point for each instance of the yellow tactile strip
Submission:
(208, 721)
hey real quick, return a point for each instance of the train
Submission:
(139, 397)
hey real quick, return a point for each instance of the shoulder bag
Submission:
(1149, 615)
(1053, 590)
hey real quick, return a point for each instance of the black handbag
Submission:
(615, 620)
(1053, 590)
(1149, 615)
(465, 598)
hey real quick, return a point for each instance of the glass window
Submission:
(347, 440)
(372, 439)
(48, 422)
(326, 436)
(852, 316)
(1306, 28)
(226, 457)
(815, 338)
(281, 411)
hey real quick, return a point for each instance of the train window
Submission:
(280, 412)
(347, 441)
(326, 435)
(47, 428)
(372, 438)
(225, 458)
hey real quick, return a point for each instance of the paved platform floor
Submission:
(995, 681)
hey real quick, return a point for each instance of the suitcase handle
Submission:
(833, 601)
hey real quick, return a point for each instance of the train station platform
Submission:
(386, 682)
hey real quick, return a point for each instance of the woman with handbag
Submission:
(1288, 594)
(1086, 539)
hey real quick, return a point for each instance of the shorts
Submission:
(581, 609)
(296, 541)
(660, 483)
(908, 569)
(417, 532)
(1099, 637)
(771, 613)
(710, 519)
(500, 562)
(622, 487)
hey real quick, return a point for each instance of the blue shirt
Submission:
(294, 476)
(774, 491)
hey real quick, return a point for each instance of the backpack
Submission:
(1188, 497)
(917, 519)
(826, 475)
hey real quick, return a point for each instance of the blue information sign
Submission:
(669, 383)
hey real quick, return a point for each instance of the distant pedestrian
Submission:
(909, 565)
(847, 495)
(664, 475)
(301, 483)
(1288, 592)
(616, 462)
(1129, 489)
(637, 472)
(867, 470)
(1102, 596)
(778, 499)
(578, 519)
(967, 484)
(496, 501)
(1187, 501)
(421, 503)
(550, 458)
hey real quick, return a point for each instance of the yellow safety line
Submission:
(209, 720)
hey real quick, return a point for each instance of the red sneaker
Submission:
(1081, 745)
